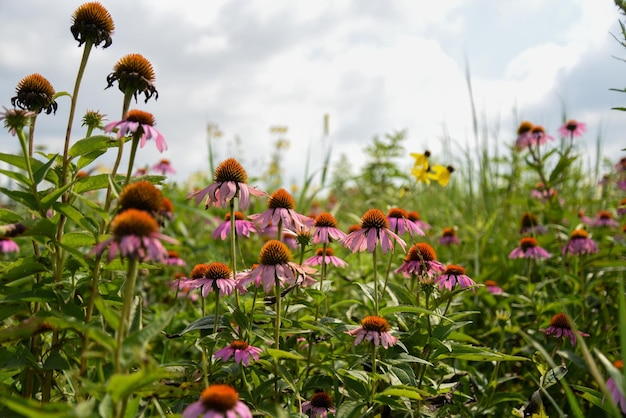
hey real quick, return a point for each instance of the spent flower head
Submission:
(92, 23)
(134, 75)
(35, 93)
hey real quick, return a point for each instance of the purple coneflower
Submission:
(420, 260)
(560, 327)
(529, 248)
(375, 329)
(141, 125)
(325, 229)
(524, 135)
(230, 182)
(7, 245)
(449, 237)
(319, 405)
(218, 401)
(618, 398)
(281, 212)
(539, 136)
(621, 209)
(274, 264)
(328, 257)
(415, 217)
(374, 231)
(242, 351)
(173, 259)
(572, 128)
(579, 243)
(399, 222)
(213, 276)
(604, 218)
(243, 227)
(135, 235)
(493, 287)
(164, 167)
(529, 225)
(452, 276)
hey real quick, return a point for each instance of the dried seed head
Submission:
(134, 75)
(35, 93)
(91, 22)
(230, 170)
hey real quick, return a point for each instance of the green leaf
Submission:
(36, 409)
(21, 268)
(8, 216)
(78, 239)
(401, 392)
(42, 171)
(17, 176)
(205, 323)
(93, 143)
(121, 386)
(278, 354)
(468, 352)
(138, 341)
(50, 198)
(26, 199)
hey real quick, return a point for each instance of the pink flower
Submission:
(281, 211)
(399, 222)
(275, 265)
(173, 259)
(539, 136)
(374, 231)
(376, 329)
(243, 227)
(141, 125)
(579, 243)
(415, 217)
(230, 182)
(218, 401)
(493, 287)
(604, 219)
(529, 248)
(242, 351)
(449, 237)
(164, 167)
(319, 406)
(452, 276)
(213, 276)
(328, 258)
(524, 135)
(572, 128)
(325, 229)
(8, 246)
(421, 259)
(618, 398)
(560, 327)
(135, 235)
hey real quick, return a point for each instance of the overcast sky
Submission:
(374, 67)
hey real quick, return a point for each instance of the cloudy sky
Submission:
(373, 66)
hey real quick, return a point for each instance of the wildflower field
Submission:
(488, 285)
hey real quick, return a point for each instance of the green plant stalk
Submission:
(205, 354)
(277, 334)
(387, 272)
(233, 247)
(374, 273)
(131, 160)
(129, 295)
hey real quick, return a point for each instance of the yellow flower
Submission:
(440, 174)
(421, 174)
(421, 159)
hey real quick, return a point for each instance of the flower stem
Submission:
(233, 247)
(277, 335)
(129, 296)
(131, 160)
(375, 282)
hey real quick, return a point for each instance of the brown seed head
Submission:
(230, 170)
(397, 213)
(141, 195)
(238, 345)
(321, 400)
(421, 252)
(134, 74)
(454, 270)
(274, 252)
(325, 220)
(35, 93)
(527, 243)
(219, 397)
(144, 118)
(199, 271)
(281, 199)
(560, 321)
(91, 22)
(579, 234)
(134, 222)
(217, 271)
(374, 218)
(375, 323)
(524, 127)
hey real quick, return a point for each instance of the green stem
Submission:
(388, 271)
(131, 160)
(129, 296)
(277, 335)
(233, 247)
(375, 282)
(205, 354)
